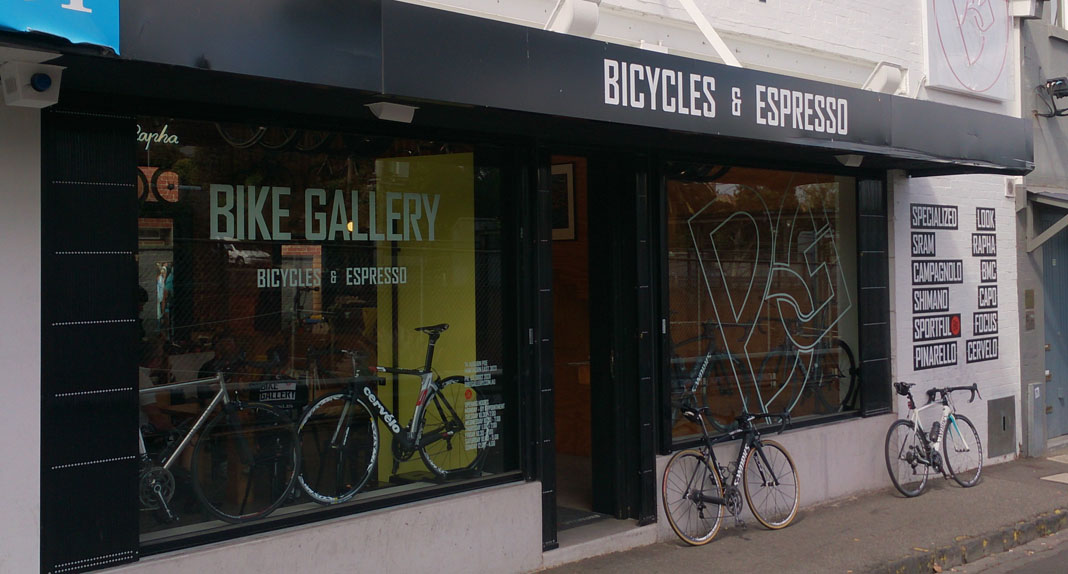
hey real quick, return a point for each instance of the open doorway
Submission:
(571, 348)
(603, 463)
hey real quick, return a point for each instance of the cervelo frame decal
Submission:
(387, 416)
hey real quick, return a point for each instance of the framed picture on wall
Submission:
(563, 198)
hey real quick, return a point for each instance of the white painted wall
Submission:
(497, 529)
(20, 339)
(998, 378)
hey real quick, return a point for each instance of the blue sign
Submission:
(80, 21)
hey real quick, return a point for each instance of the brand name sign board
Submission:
(80, 21)
(942, 300)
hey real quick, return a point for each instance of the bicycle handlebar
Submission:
(742, 421)
(945, 392)
(902, 389)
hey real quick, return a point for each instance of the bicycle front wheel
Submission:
(962, 450)
(904, 452)
(339, 448)
(692, 496)
(772, 488)
(245, 462)
(456, 427)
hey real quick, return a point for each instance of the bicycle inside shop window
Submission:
(264, 252)
(762, 295)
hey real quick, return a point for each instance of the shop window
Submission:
(761, 280)
(281, 266)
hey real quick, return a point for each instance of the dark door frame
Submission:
(622, 342)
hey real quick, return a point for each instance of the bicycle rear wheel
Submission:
(852, 395)
(963, 451)
(772, 488)
(245, 462)
(457, 425)
(903, 459)
(689, 484)
(339, 448)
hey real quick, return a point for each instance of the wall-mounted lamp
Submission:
(850, 159)
(576, 17)
(392, 112)
(887, 78)
(1053, 89)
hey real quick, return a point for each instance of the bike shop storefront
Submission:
(259, 228)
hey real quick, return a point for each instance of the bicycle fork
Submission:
(764, 468)
(960, 439)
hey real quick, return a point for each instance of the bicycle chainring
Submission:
(733, 498)
(402, 451)
(153, 479)
(936, 460)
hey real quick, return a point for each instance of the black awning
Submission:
(455, 58)
(387, 48)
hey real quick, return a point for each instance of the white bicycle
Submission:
(951, 447)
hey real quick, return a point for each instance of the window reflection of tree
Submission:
(789, 208)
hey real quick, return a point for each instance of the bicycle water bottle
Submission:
(934, 431)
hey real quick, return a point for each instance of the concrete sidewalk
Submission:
(880, 531)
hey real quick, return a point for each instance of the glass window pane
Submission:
(321, 321)
(761, 283)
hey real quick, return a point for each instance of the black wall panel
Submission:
(89, 508)
(873, 292)
(542, 338)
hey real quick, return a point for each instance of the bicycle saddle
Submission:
(693, 414)
(434, 329)
(902, 387)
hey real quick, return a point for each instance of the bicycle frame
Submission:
(750, 440)
(221, 397)
(412, 438)
(925, 439)
(933, 445)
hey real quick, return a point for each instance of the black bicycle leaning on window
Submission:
(339, 433)
(694, 495)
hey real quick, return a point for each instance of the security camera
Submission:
(1058, 87)
(30, 85)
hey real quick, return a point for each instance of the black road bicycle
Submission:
(450, 428)
(694, 494)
